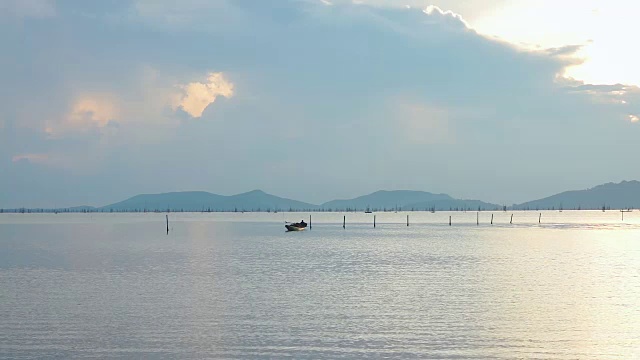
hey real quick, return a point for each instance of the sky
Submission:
(503, 101)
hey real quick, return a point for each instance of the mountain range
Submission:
(622, 195)
(258, 200)
(617, 196)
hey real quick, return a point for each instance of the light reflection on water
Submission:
(237, 285)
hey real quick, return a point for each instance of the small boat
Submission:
(296, 226)
(293, 228)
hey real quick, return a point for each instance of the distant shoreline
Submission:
(611, 196)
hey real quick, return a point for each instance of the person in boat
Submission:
(301, 224)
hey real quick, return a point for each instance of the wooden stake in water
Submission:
(491, 219)
(309, 222)
(167, 223)
(511, 221)
(374, 221)
(407, 220)
(539, 218)
(449, 220)
(478, 218)
(344, 221)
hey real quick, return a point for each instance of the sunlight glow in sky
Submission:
(607, 30)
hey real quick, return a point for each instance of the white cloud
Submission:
(437, 13)
(468, 9)
(141, 111)
(197, 96)
(145, 104)
(634, 118)
(604, 94)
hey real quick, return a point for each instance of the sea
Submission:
(492, 285)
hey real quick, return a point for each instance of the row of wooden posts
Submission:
(344, 220)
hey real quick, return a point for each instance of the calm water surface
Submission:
(238, 286)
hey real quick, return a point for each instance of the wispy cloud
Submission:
(90, 110)
(51, 160)
(34, 158)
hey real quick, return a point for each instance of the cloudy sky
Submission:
(498, 100)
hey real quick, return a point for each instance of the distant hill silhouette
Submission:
(615, 196)
(256, 200)
(385, 200)
(406, 200)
